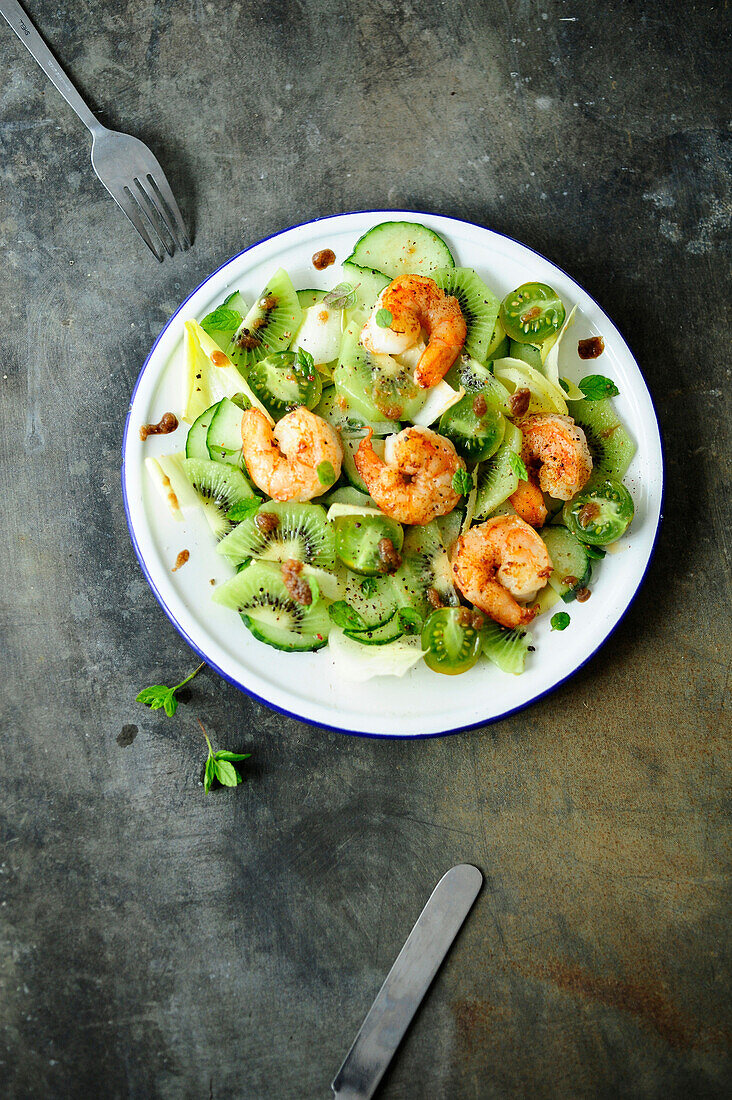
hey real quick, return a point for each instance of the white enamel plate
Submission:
(304, 685)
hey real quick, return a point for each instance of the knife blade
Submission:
(407, 982)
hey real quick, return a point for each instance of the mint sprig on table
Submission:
(162, 697)
(220, 765)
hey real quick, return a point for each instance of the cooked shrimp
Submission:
(413, 482)
(283, 461)
(556, 454)
(528, 500)
(416, 302)
(499, 562)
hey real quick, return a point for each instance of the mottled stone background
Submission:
(157, 943)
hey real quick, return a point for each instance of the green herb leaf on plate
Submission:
(325, 472)
(560, 621)
(384, 318)
(345, 616)
(595, 387)
(462, 481)
(410, 620)
(244, 509)
(518, 466)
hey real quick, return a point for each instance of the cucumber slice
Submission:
(307, 298)
(401, 248)
(611, 447)
(281, 385)
(338, 411)
(478, 303)
(367, 285)
(572, 564)
(261, 597)
(527, 353)
(378, 635)
(373, 598)
(270, 324)
(346, 494)
(196, 440)
(497, 478)
(498, 344)
(223, 438)
(506, 648)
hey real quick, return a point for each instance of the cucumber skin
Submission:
(196, 440)
(369, 252)
(311, 643)
(366, 637)
(561, 542)
(222, 436)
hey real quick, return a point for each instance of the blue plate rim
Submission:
(302, 718)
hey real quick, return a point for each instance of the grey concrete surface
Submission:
(158, 943)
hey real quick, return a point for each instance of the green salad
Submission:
(394, 467)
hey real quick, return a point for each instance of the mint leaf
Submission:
(596, 386)
(341, 296)
(384, 318)
(304, 363)
(162, 697)
(221, 320)
(345, 616)
(368, 586)
(244, 509)
(560, 621)
(224, 754)
(462, 481)
(208, 775)
(225, 773)
(518, 466)
(325, 472)
(154, 696)
(409, 620)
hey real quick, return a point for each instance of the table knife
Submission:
(407, 982)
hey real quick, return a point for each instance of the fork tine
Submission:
(168, 208)
(131, 209)
(156, 216)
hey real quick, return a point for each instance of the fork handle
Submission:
(31, 39)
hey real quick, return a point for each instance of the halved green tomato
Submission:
(601, 513)
(531, 313)
(361, 543)
(475, 426)
(281, 385)
(453, 644)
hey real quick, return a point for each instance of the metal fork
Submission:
(125, 165)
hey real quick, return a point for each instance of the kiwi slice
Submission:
(497, 477)
(425, 566)
(478, 303)
(335, 407)
(270, 324)
(281, 384)
(611, 447)
(280, 531)
(268, 609)
(506, 648)
(220, 487)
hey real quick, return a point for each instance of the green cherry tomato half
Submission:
(601, 513)
(452, 642)
(475, 426)
(361, 543)
(531, 313)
